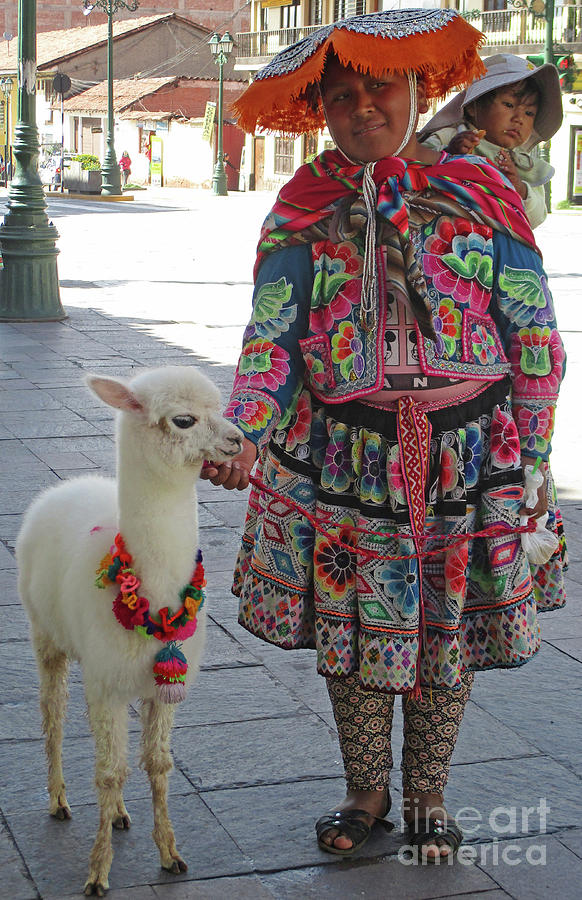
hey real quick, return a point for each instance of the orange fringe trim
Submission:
(444, 59)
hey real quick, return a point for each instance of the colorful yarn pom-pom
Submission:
(170, 669)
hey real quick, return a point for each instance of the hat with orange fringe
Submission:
(438, 45)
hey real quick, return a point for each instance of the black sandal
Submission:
(434, 831)
(350, 824)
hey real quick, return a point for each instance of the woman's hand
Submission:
(464, 142)
(541, 506)
(235, 474)
(504, 161)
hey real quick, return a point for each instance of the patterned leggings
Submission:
(364, 723)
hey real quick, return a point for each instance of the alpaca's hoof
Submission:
(62, 813)
(95, 888)
(122, 823)
(177, 866)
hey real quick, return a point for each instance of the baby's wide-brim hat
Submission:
(437, 44)
(503, 70)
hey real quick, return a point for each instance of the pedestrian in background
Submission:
(393, 383)
(125, 166)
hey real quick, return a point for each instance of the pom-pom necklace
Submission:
(133, 612)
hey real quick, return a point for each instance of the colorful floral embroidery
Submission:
(249, 415)
(400, 578)
(472, 456)
(333, 565)
(302, 540)
(459, 259)
(336, 471)
(395, 478)
(456, 573)
(483, 344)
(527, 297)
(336, 285)
(541, 351)
(373, 482)
(447, 325)
(347, 351)
(535, 427)
(535, 350)
(270, 318)
(449, 475)
(264, 364)
(316, 370)
(298, 432)
(505, 445)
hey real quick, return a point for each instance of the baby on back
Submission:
(503, 116)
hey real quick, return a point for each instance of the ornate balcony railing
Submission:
(508, 28)
(251, 44)
(519, 27)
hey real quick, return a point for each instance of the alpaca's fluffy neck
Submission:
(158, 521)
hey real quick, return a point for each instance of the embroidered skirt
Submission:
(390, 612)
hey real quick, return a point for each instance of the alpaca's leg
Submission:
(53, 668)
(157, 720)
(109, 725)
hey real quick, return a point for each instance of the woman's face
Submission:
(368, 115)
(508, 119)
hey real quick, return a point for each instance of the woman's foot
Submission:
(375, 803)
(418, 811)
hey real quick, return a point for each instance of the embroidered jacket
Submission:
(491, 310)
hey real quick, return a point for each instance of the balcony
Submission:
(514, 29)
(256, 48)
(520, 32)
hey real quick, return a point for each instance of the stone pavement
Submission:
(256, 759)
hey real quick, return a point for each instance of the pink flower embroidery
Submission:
(263, 364)
(483, 344)
(299, 431)
(458, 257)
(505, 447)
(536, 377)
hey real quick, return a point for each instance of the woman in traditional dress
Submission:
(400, 368)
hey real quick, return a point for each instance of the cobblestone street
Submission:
(162, 281)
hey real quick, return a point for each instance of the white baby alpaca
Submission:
(169, 422)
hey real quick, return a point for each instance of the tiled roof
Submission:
(125, 92)
(54, 46)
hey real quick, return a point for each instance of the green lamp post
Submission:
(221, 48)
(6, 85)
(111, 184)
(29, 284)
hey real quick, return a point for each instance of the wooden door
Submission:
(259, 169)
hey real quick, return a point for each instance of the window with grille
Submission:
(342, 9)
(284, 156)
(315, 12)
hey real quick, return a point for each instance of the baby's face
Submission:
(509, 119)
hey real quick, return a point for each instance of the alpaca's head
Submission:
(172, 415)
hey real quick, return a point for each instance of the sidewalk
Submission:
(256, 759)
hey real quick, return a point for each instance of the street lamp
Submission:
(221, 48)
(6, 85)
(29, 282)
(111, 184)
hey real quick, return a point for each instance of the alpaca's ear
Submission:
(114, 393)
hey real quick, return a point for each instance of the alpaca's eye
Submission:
(184, 421)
